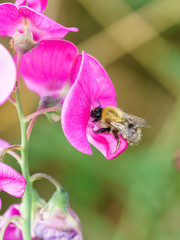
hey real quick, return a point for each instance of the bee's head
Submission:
(96, 113)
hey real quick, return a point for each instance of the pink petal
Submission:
(19, 3)
(106, 143)
(43, 27)
(75, 68)
(38, 5)
(14, 209)
(11, 181)
(104, 90)
(77, 108)
(10, 19)
(46, 69)
(3, 145)
(12, 231)
(7, 74)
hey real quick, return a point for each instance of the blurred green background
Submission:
(137, 195)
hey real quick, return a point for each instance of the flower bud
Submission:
(57, 220)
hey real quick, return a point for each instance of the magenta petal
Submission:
(12, 231)
(46, 69)
(10, 19)
(106, 143)
(105, 92)
(3, 145)
(38, 5)
(19, 3)
(7, 74)
(11, 181)
(101, 88)
(43, 27)
(75, 68)
(77, 108)
(14, 209)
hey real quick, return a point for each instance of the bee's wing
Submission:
(120, 128)
(140, 122)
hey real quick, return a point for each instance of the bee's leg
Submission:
(102, 130)
(118, 141)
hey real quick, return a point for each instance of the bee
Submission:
(114, 120)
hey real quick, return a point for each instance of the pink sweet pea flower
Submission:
(38, 5)
(7, 74)
(46, 70)
(92, 85)
(11, 181)
(12, 231)
(13, 18)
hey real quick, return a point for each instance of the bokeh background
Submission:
(137, 195)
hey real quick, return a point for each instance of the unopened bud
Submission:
(57, 220)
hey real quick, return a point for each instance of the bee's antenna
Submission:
(99, 103)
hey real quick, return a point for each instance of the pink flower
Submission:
(14, 18)
(38, 5)
(92, 85)
(11, 181)
(12, 231)
(7, 74)
(46, 70)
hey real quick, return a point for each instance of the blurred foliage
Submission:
(138, 3)
(137, 195)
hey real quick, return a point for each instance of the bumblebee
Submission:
(114, 120)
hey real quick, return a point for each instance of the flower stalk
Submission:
(38, 176)
(42, 111)
(26, 200)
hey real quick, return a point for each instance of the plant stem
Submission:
(38, 176)
(26, 200)
(41, 111)
(34, 116)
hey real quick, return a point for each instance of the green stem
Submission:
(26, 200)
(38, 176)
